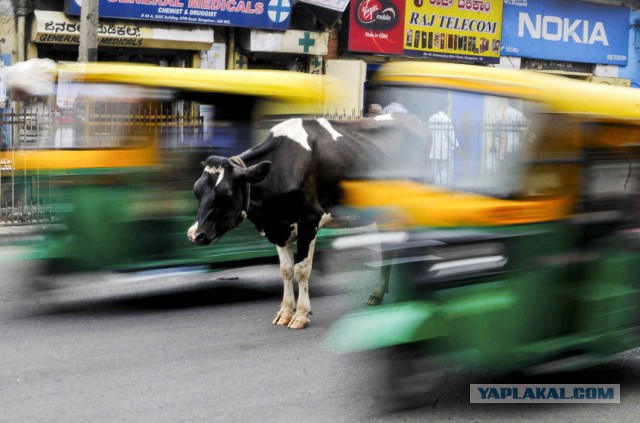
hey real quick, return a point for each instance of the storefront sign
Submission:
(376, 26)
(557, 65)
(575, 31)
(468, 30)
(267, 14)
(56, 28)
(297, 42)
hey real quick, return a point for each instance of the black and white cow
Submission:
(287, 184)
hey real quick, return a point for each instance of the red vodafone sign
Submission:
(376, 26)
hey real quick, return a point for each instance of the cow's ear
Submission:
(257, 173)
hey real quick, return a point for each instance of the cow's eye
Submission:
(212, 213)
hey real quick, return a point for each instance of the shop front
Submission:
(56, 36)
(467, 31)
(577, 39)
(463, 31)
(233, 34)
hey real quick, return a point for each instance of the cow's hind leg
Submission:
(285, 314)
(302, 270)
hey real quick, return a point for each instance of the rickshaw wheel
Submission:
(411, 379)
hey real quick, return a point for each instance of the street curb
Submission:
(10, 233)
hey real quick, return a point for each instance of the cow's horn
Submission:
(236, 160)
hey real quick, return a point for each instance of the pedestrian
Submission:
(443, 142)
(374, 110)
(394, 107)
(511, 126)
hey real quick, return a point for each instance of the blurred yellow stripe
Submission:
(81, 159)
(413, 204)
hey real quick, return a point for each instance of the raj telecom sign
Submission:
(265, 14)
(454, 29)
(573, 31)
(467, 30)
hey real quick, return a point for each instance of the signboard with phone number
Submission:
(264, 14)
(469, 30)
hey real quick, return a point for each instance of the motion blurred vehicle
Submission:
(507, 259)
(127, 145)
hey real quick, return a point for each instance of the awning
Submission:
(56, 28)
(327, 11)
(296, 42)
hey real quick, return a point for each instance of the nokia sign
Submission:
(570, 30)
(556, 28)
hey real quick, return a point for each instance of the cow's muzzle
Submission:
(197, 237)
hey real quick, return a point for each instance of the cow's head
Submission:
(223, 194)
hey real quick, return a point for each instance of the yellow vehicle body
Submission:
(526, 261)
(279, 93)
(120, 172)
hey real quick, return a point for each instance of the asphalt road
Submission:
(206, 351)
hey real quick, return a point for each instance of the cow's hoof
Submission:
(374, 300)
(299, 322)
(283, 317)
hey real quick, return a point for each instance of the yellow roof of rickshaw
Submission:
(560, 94)
(273, 84)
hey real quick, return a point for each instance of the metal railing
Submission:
(26, 196)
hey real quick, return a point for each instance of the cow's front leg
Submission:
(302, 270)
(382, 287)
(285, 314)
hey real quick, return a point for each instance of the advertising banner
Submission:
(56, 28)
(265, 14)
(574, 31)
(376, 26)
(468, 30)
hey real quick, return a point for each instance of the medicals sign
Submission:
(567, 30)
(264, 14)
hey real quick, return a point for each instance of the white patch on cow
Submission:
(191, 233)
(384, 117)
(326, 125)
(218, 169)
(292, 129)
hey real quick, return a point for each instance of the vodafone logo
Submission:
(376, 14)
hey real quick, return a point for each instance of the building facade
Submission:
(231, 34)
(596, 40)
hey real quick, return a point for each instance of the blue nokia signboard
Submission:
(265, 14)
(567, 30)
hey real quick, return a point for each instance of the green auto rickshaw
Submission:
(513, 241)
(125, 146)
